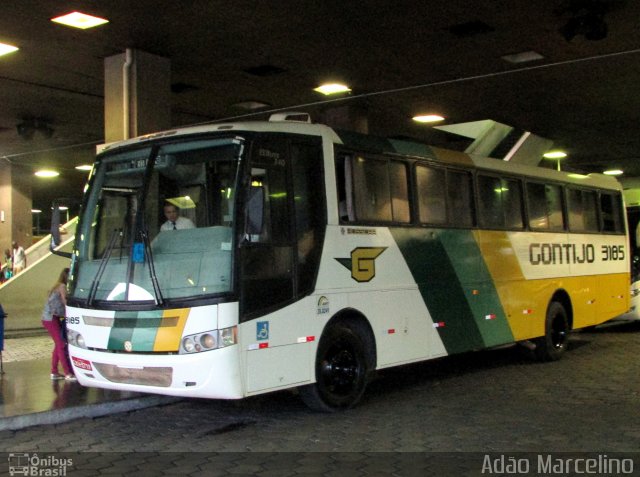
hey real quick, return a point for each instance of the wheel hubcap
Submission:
(340, 372)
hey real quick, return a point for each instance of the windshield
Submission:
(157, 223)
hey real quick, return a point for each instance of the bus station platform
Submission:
(28, 396)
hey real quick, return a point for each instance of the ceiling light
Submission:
(80, 20)
(613, 172)
(523, 57)
(47, 173)
(428, 118)
(84, 167)
(554, 155)
(36, 211)
(250, 105)
(6, 49)
(332, 88)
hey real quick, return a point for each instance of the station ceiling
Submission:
(399, 57)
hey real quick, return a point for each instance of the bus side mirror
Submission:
(255, 211)
(55, 225)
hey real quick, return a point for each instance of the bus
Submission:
(631, 197)
(318, 256)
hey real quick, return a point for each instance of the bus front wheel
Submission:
(341, 371)
(553, 344)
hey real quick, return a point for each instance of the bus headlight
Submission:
(76, 339)
(188, 345)
(209, 340)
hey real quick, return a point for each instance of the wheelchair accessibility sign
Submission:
(262, 330)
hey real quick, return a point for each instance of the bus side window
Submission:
(582, 207)
(431, 195)
(375, 190)
(544, 203)
(500, 202)
(460, 198)
(344, 179)
(611, 213)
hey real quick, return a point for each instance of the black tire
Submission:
(341, 371)
(553, 344)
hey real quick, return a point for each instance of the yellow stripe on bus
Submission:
(525, 301)
(170, 331)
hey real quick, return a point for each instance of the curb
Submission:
(59, 416)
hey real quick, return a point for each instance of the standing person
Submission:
(19, 258)
(7, 270)
(174, 221)
(6, 266)
(53, 311)
(3, 315)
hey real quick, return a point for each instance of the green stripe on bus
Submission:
(480, 292)
(456, 287)
(139, 328)
(144, 335)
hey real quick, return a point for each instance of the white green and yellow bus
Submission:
(318, 256)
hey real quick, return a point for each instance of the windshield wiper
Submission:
(103, 265)
(152, 269)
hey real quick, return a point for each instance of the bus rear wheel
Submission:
(553, 344)
(341, 371)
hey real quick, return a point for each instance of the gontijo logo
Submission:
(362, 263)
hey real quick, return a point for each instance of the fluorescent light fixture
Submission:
(36, 211)
(63, 207)
(6, 49)
(185, 202)
(428, 118)
(555, 155)
(250, 105)
(613, 172)
(523, 57)
(84, 167)
(332, 88)
(47, 173)
(80, 20)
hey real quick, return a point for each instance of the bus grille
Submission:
(152, 376)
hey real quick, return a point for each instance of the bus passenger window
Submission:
(500, 202)
(431, 195)
(545, 206)
(611, 212)
(460, 198)
(582, 206)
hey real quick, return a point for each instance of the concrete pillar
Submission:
(352, 118)
(15, 206)
(137, 94)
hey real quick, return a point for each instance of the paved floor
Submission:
(443, 417)
(29, 397)
(26, 349)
